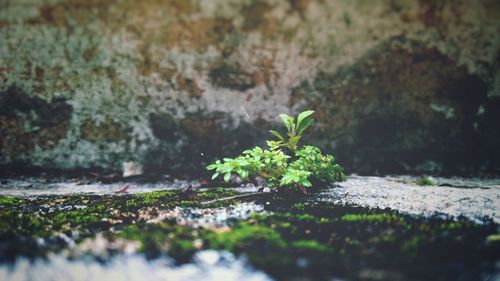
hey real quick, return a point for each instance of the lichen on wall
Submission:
(144, 80)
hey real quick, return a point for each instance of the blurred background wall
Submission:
(398, 86)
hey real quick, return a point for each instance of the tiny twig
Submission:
(232, 197)
(123, 189)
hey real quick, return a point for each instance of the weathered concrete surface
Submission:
(471, 199)
(398, 85)
(39, 186)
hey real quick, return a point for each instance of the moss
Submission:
(46, 216)
(324, 239)
(386, 237)
(262, 245)
(493, 238)
(337, 237)
(76, 218)
(453, 226)
(6, 201)
(298, 206)
(31, 222)
(311, 245)
(16, 224)
(374, 218)
(411, 245)
(153, 198)
(304, 217)
(244, 236)
(154, 239)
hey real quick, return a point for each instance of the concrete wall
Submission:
(398, 86)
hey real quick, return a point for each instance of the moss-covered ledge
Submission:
(290, 236)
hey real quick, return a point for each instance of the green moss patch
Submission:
(31, 227)
(319, 242)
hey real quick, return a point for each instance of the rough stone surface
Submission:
(474, 200)
(399, 86)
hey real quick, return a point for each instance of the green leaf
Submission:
(211, 166)
(274, 145)
(306, 183)
(289, 122)
(227, 177)
(215, 176)
(276, 134)
(292, 142)
(304, 125)
(303, 116)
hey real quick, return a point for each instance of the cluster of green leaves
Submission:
(294, 129)
(284, 163)
(270, 164)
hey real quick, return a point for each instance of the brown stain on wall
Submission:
(26, 122)
(190, 86)
(380, 112)
(107, 131)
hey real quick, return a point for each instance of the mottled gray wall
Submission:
(397, 85)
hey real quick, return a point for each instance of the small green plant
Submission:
(424, 181)
(284, 163)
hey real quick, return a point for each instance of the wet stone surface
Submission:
(366, 228)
